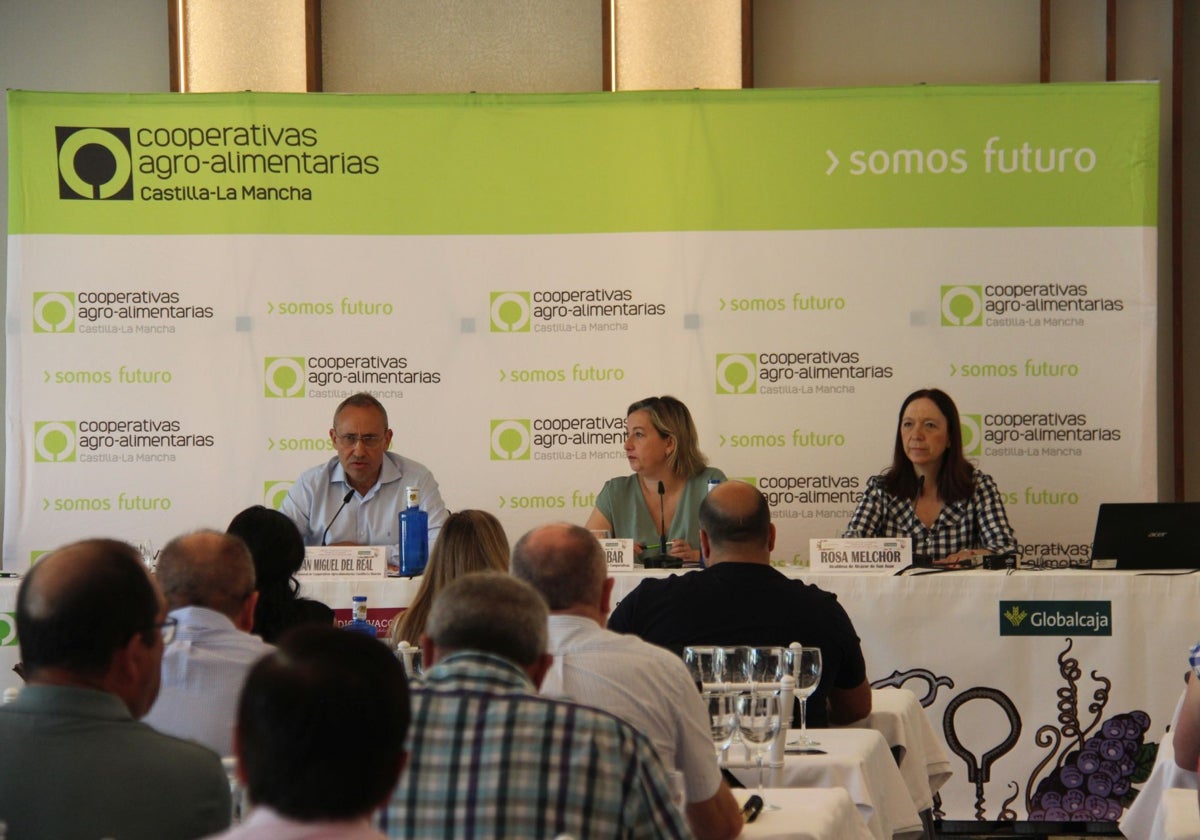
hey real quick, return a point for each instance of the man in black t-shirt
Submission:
(741, 600)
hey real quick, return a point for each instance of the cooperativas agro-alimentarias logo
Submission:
(274, 492)
(510, 312)
(511, 440)
(972, 433)
(962, 306)
(94, 163)
(8, 629)
(54, 312)
(283, 377)
(54, 441)
(737, 373)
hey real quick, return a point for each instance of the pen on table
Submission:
(10, 574)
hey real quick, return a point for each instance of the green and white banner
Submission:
(196, 281)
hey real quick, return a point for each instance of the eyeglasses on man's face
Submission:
(167, 628)
(351, 441)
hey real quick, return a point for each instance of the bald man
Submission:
(208, 580)
(75, 762)
(636, 681)
(740, 599)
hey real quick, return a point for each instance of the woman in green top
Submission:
(661, 445)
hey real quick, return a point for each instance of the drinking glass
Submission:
(706, 665)
(737, 665)
(806, 668)
(767, 665)
(759, 718)
(722, 717)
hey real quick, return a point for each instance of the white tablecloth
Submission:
(1177, 816)
(1143, 816)
(941, 636)
(806, 814)
(897, 715)
(857, 760)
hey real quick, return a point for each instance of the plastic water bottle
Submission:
(358, 617)
(414, 536)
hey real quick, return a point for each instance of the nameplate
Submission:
(618, 554)
(875, 554)
(344, 561)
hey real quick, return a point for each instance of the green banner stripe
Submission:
(686, 160)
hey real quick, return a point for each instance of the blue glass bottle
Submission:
(414, 536)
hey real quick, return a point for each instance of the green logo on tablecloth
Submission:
(1056, 618)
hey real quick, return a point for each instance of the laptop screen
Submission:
(1147, 535)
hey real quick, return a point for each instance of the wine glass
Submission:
(759, 719)
(806, 668)
(737, 666)
(767, 665)
(722, 716)
(706, 665)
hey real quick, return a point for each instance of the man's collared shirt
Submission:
(202, 674)
(641, 683)
(488, 757)
(371, 519)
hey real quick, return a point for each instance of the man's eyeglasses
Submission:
(167, 628)
(351, 441)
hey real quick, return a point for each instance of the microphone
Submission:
(345, 502)
(752, 808)
(665, 561)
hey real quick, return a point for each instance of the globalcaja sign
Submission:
(1056, 618)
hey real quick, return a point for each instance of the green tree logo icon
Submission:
(54, 442)
(510, 312)
(962, 306)
(510, 440)
(736, 373)
(283, 376)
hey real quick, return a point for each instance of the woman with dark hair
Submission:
(278, 551)
(662, 447)
(932, 493)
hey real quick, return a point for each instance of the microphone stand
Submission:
(665, 561)
(345, 502)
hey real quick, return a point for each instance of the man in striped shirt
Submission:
(489, 757)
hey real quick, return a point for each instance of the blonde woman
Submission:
(470, 541)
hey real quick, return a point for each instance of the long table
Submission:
(1008, 707)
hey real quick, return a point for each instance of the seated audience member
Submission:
(208, 581)
(470, 541)
(638, 682)
(488, 757)
(952, 511)
(320, 737)
(278, 553)
(75, 762)
(741, 600)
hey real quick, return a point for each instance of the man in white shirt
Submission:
(208, 580)
(647, 686)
